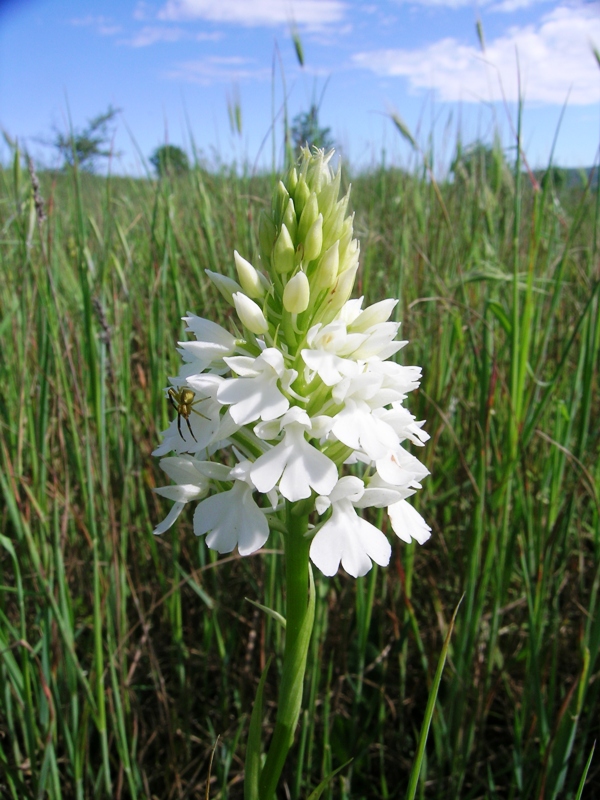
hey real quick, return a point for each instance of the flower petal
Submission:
(407, 523)
(268, 468)
(351, 540)
(232, 519)
(169, 519)
(182, 493)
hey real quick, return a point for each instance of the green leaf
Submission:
(585, 772)
(253, 748)
(273, 614)
(414, 775)
(316, 793)
(498, 311)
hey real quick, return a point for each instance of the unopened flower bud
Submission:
(301, 194)
(347, 244)
(313, 240)
(226, 286)
(291, 180)
(329, 195)
(248, 277)
(283, 253)
(317, 174)
(250, 314)
(309, 215)
(328, 268)
(289, 219)
(280, 200)
(334, 223)
(340, 292)
(296, 294)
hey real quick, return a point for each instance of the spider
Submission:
(183, 402)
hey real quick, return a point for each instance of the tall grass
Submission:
(123, 656)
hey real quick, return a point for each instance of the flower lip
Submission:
(232, 519)
(296, 465)
(256, 394)
(348, 539)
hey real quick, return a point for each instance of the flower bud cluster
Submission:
(302, 405)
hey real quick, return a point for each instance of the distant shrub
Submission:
(169, 160)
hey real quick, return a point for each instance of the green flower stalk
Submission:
(295, 422)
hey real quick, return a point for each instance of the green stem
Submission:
(300, 612)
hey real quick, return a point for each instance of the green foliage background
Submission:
(123, 656)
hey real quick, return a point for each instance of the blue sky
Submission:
(173, 66)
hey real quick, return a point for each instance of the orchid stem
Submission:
(300, 613)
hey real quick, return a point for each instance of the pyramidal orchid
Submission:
(293, 422)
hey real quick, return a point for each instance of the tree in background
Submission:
(169, 160)
(307, 131)
(83, 147)
(483, 164)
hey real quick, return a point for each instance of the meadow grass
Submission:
(123, 656)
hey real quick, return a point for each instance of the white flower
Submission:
(400, 468)
(212, 345)
(296, 464)
(372, 315)
(407, 523)
(379, 342)
(204, 422)
(255, 394)
(379, 494)
(350, 311)
(399, 379)
(193, 481)
(232, 519)
(404, 424)
(346, 537)
(327, 349)
(294, 430)
(357, 427)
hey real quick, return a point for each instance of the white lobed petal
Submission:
(351, 540)
(297, 465)
(357, 427)
(253, 398)
(330, 367)
(407, 523)
(232, 519)
(269, 467)
(255, 395)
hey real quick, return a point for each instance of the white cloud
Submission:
(503, 5)
(219, 69)
(103, 25)
(313, 13)
(510, 6)
(554, 59)
(151, 34)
